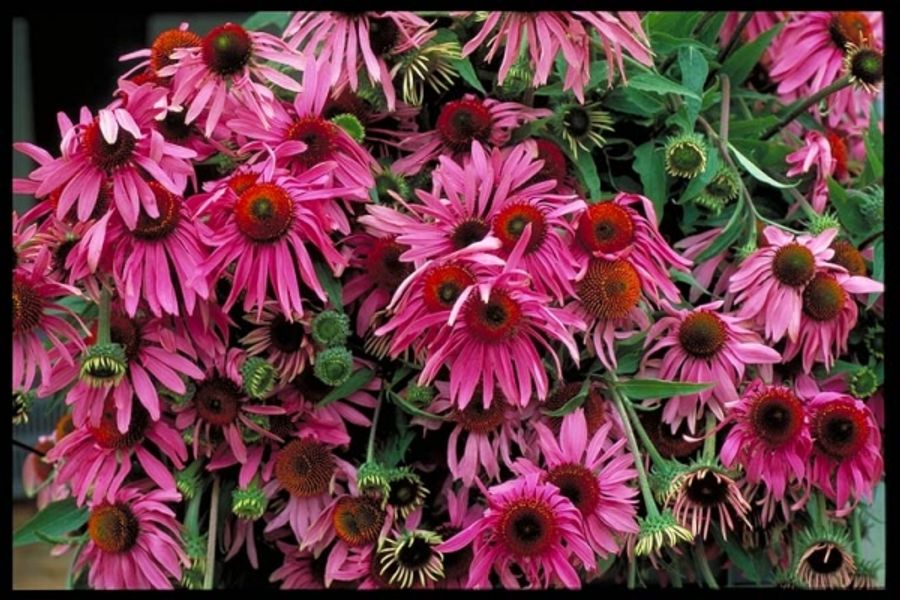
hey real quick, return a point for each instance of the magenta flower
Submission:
(134, 541)
(829, 314)
(770, 437)
(530, 525)
(347, 41)
(97, 460)
(299, 570)
(284, 342)
(705, 346)
(846, 458)
(769, 283)
(817, 151)
(595, 474)
(460, 514)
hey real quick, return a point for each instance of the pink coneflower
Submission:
(301, 570)
(119, 144)
(264, 233)
(706, 491)
(769, 283)
(159, 55)
(594, 473)
(614, 229)
(846, 457)
(705, 346)
(97, 460)
(284, 342)
(492, 339)
(38, 477)
(462, 122)
(770, 438)
(151, 359)
(230, 61)
(308, 471)
(530, 525)
(828, 153)
(829, 314)
(134, 541)
(302, 138)
(460, 514)
(347, 41)
(35, 316)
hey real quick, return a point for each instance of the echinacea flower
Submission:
(704, 345)
(829, 314)
(770, 438)
(769, 283)
(530, 526)
(411, 557)
(846, 459)
(134, 541)
(97, 460)
(824, 559)
(819, 152)
(347, 41)
(230, 62)
(159, 55)
(594, 474)
(36, 314)
(658, 531)
(704, 491)
(285, 342)
(301, 570)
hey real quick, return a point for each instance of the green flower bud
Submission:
(22, 402)
(372, 479)
(685, 156)
(331, 328)
(388, 181)
(249, 503)
(187, 481)
(334, 365)
(819, 223)
(351, 125)
(259, 376)
(104, 364)
(863, 382)
(419, 395)
(658, 532)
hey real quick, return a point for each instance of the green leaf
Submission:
(741, 62)
(758, 173)
(709, 33)
(679, 24)
(688, 279)
(694, 70)
(331, 285)
(527, 130)
(643, 389)
(848, 212)
(465, 69)
(727, 237)
(874, 142)
(631, 101)
(751, 127)
(739, 558)
(413, 410)
(587, 172)
(698, 183)
(664, 43)
(651, 82)
(354, 383)
(262, 19)
(877, 268)
(57, 519)
(649, 163)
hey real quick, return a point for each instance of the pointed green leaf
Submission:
(467, 72)
(694, 69)
(330, 284)
(649, 163)
(741, 62)
(651, 82)
(355, 382)
(56, 520)
(758, 173)
(643, 389)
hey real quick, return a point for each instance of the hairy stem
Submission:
(803, 105)
(370, 448)
(655, 456)
(709, 444)
(211, 541)
(703, 565)
(652, 510)
(103, 318)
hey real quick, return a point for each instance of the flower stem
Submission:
(632, 573)
(857, 533)
(821, 508)
(803, 105)
(655, 456)
(709, 444)
(703, 565)
(211, 542)
(103, 318)
(370, 449)
(652, 510)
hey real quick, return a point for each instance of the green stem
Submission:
(857, 533)
(103, 318)
(211, 541)
(632, 573)
(673, 572)
(726, 108)
(821, 508)
(803, 105)
(709, 444)
(652, 510)
(703, 565)
(735, 37)
(655, 456)
(370, 448)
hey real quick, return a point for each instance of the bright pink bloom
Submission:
(619, 31)
(595, 474)
(284, 342)
(346, 41)
(460, 514)
(769, 283)
(300, 570)
(817, 151)
(135, 541)
(705, 346)
(531, 525)
(770, 437)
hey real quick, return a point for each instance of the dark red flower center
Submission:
(494, 321)
(159, 228)
(850, 27)
(840, 429)
(320, 137)
(27, 305)
(823, 298)
(264, 212)
(383, 35)
(462, 121)
(126, 332)
(578, 484)
(702, 334)
(606, 227)
(384, 265)
(838, 152)
(304, 467)
(794, 265)
(707, 489)
(107, 434)
(227, 49)
(554, 161)
(285, 335)
(610, 288)
(776, 416)
(169, 41)
(510, 222)
(475, 418)
(113, 527)
(104, 155)
(847, 256)
(218, 401)
(468, 232)
(443, 284)
(357, 520)
(173, 128)
(527, 527)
